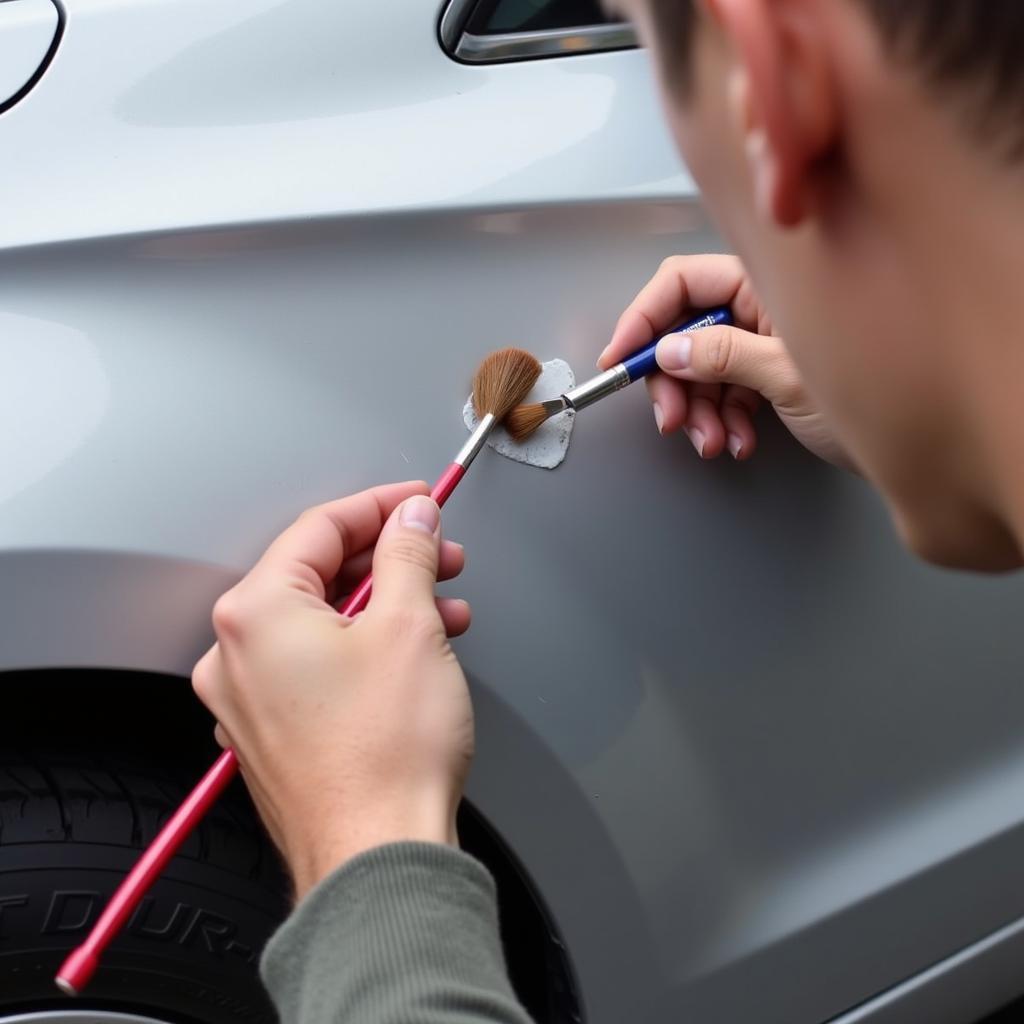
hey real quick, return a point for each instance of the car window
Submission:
(490, 16)
(491, 31)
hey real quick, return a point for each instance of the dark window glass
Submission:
(494, 16)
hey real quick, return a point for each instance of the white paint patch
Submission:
(546, 447)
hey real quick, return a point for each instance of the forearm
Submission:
(403, 934)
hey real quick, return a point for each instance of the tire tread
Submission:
(56, 798)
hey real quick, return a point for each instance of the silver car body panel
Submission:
(760, 763)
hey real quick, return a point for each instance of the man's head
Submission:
(865, 158)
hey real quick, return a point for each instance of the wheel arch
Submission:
(83, 631)
(81, 608)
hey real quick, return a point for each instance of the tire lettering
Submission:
(216, 932)
(73, 910)
(70, 911)
(167, 932)
(10, 901)
(242, 950)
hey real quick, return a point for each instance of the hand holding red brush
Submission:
(502, 382)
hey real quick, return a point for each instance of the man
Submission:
(865, 158)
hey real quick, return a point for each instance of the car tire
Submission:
(71, 824)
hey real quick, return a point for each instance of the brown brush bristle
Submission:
(502, 381)
(523, 420)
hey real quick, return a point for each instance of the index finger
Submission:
(681, 284)
(309, 554)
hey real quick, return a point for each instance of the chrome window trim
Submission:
(453, 18)
(561, 42)
(505, 46)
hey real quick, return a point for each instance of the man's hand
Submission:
(350, 733)
(714, 379)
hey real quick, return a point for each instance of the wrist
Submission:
(318, 853)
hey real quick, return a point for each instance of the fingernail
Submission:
(604, 352)
(659, 418)
(674, 352)
(697, 439)
(735, 443)
(421, 513)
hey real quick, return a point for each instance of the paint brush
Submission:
(501, 382)
(522, 421)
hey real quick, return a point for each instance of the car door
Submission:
(758, 763)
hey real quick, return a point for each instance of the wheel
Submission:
(71, 824)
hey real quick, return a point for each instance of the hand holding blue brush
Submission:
(522, 421)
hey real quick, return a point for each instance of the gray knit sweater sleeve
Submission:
(403, 934)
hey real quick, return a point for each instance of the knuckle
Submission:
(789, 387)
(202, 680)
(787, 382)
(229, 614)
(310, 515)
(719, 352)
(669, 264)
(411, 624)
(418, 552)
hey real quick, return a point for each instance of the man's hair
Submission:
(968, 52)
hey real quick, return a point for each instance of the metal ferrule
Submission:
(598, 387)
(471, 449)
(553, 406)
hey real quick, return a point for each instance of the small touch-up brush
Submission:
(501, 382)
(522, 421)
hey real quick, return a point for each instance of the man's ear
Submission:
(783, 99)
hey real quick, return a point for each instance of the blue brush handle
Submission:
(641, 363)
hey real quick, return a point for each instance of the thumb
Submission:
(406, 557)
(729, 355)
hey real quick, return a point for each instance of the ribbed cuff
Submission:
(406, 932)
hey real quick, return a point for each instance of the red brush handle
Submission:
(81, 963)
(446, 482)
(78, 968)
